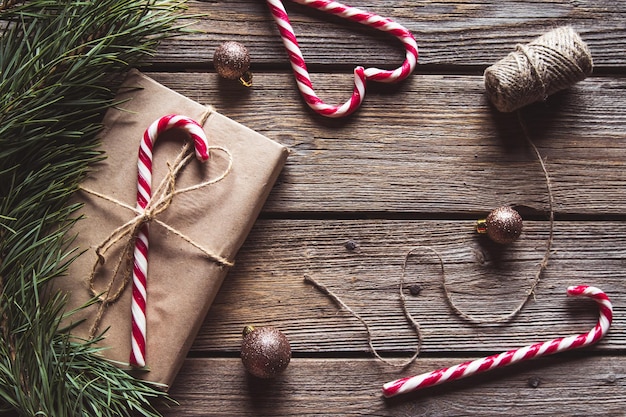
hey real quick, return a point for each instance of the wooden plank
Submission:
(448, 32)
(266, 286)
(560, 385)
(415, 167)
(432, 144)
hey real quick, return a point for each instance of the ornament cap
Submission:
(247, 330)
(246, 79)
(481, 226)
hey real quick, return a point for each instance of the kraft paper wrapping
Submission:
(182, 281)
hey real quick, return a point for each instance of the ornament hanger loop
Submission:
(361, 74)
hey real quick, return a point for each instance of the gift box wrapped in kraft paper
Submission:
(205, 213)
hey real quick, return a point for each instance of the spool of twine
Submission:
(550, 63)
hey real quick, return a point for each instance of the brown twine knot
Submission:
(161, 200)
(550, 63)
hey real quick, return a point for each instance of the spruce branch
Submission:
(60, 61)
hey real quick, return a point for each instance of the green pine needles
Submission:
(59, 60)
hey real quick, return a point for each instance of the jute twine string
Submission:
(550, 63)
(412, 321)
(530, 293)
(161, 200)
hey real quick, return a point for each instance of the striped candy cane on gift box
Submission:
(361, 74)
(144, 196)
(409, 384)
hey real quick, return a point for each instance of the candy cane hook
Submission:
(299, 67)
(144, 195)
(463, 370)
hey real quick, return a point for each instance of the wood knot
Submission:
(534, 382)
(350, 245)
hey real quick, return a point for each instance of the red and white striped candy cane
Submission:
(536, 350)
(144, 195)
(299, 67)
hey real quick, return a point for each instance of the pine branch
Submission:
(58, 61)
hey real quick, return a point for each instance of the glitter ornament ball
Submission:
(503, 225)
(265, 351)
(232, 61)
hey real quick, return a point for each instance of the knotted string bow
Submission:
(161, 200)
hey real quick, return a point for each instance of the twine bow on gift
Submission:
(160, 200)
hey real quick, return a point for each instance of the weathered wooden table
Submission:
(415, 167)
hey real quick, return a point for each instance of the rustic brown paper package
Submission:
(182, 282)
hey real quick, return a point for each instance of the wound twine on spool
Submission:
(550, 63)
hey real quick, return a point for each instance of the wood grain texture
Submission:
(450, 33)
(561, 385)
(432, 145)
(414, 168)
(266, 287)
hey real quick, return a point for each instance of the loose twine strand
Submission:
(161, 200)
(407, 314)
(446, 289)
(542, 265)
